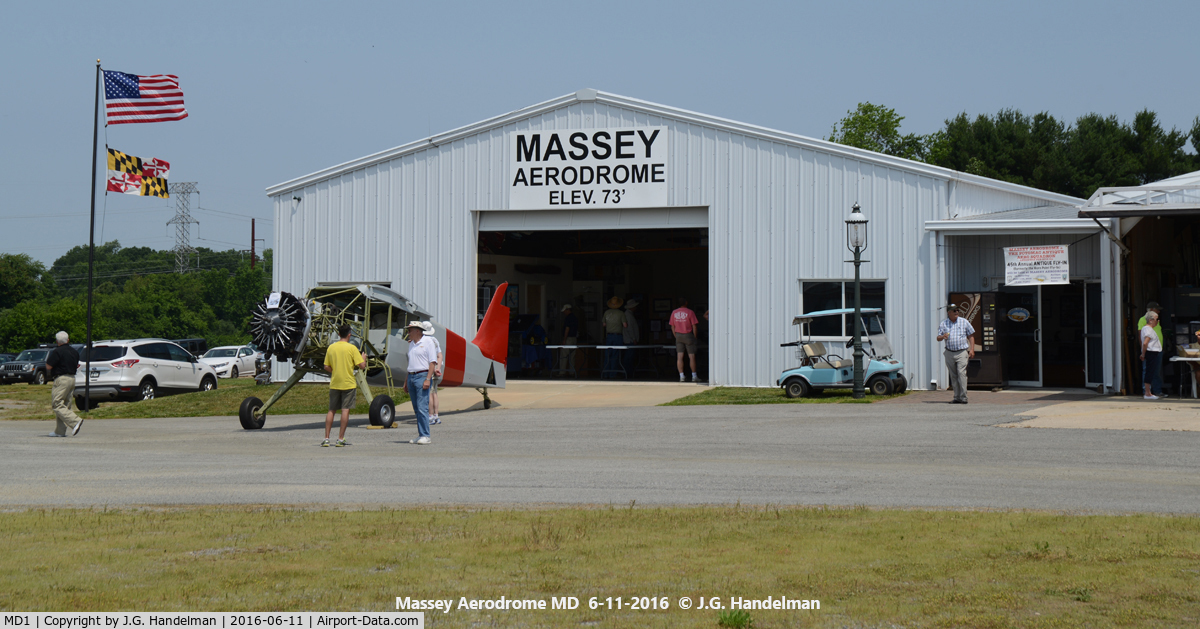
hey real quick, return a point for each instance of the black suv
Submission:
(29, 366)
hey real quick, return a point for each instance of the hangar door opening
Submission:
(595, 272)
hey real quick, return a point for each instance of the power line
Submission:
(242, 217)
(83, 214)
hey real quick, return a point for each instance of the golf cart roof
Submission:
(808, 317)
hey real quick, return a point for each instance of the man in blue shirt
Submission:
(956, 332)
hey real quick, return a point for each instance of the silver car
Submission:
(231, 361)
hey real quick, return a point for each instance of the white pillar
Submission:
(1108, 288)
(938, 284)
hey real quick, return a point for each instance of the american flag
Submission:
(130, 98)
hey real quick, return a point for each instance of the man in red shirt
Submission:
(683, 326)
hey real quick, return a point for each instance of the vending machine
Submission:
(986, 369)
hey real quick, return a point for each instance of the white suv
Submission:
(141, 369)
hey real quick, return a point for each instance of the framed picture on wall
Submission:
(662, 306)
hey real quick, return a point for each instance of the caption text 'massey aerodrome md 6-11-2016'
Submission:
(300, 331)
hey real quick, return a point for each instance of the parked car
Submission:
(29, 366)
(141, 369)
(197, 347)
(6, 357)
(231, 361)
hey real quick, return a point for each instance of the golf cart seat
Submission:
(816, 353)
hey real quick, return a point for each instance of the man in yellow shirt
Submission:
(340, 361)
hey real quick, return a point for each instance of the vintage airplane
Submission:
(301, 330)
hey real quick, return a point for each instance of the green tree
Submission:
(877, 128)
(21, 278)
(32, 322)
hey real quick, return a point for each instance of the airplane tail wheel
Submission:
(246, 414)
(880, 385)
(795, 387)
(383, 411)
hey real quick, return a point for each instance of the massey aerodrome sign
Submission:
(619, 167)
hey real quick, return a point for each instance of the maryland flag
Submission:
(133, 175)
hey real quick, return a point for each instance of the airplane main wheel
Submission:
(246, 414)
(383, 411)
(795, 387)
(880, 385)
(901, 383)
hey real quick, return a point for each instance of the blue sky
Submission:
(276, 90)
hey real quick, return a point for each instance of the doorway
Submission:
(1050, 335)
(594, 271)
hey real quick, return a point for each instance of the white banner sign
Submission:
(587, 169)
(1030, 266)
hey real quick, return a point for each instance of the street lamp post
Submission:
(856, 241)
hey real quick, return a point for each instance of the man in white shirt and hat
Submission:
(422, 362)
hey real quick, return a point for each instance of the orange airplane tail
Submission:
(492, 337)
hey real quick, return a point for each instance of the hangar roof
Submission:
(1179, 195)
(664, 111)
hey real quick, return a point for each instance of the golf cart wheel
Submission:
(383, 411)
(880, 385)
(246, 413)
(795, 387)
(901, 383)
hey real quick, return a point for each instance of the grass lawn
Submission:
(750, 395)
(21, 401)
(867, 568)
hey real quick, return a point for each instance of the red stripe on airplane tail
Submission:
(492, 337)
(456, 360)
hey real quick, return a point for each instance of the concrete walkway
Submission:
(1114, 413)
(568, 394)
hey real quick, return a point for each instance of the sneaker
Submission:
(421, 441)
(325, 443)
(681, 378)
(434, 420)
(1149, 397)
(75, 430)
(341, 443)
(54, 434)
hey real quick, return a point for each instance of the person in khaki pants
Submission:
(956, 332)
(61, 363)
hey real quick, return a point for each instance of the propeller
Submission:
(279, 330)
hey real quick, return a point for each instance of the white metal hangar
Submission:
(592, 195)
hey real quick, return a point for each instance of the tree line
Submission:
(136, 294)
(1039, 151)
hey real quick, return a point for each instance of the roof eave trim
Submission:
(1061, 225)
(683, 115)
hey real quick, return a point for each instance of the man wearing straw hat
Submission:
(614, 329)
(422, 363)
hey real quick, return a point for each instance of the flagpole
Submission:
(87, 361)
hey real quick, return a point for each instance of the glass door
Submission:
(1019, 334)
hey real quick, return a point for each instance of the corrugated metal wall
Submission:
(776, 210)
(972, 258)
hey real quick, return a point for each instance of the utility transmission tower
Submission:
(182, 192)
